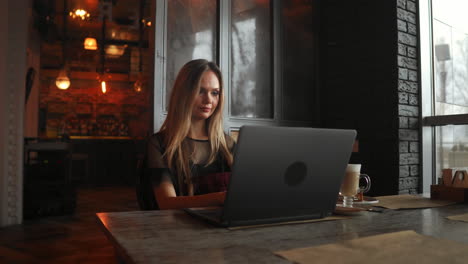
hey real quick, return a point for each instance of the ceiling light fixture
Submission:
(103, 87)
(146, 22)
(115, 51)
(103, 79)
(62, 82)
(80, 13)
(140, 83)
(90, 44)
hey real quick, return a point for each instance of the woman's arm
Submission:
(167, 198)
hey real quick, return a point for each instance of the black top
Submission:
(200, 150)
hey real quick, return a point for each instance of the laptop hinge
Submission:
(278, 219)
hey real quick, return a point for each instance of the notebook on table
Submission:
(282, 174)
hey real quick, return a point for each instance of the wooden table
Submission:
(172, 236)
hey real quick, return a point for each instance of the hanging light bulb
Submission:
(138, 86)
(103, 87)
(103, 80)
(90, 44)
(62, 81)
(140, 83)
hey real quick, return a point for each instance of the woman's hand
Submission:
(167, 198)
(221, 196)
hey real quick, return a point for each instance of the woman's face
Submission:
(206, 101)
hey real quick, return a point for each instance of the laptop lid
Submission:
(286, 174)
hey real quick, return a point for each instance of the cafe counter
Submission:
(105, 160)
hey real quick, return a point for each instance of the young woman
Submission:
(190, 157)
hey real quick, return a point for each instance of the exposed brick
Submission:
(412, 29)
(406, 16)
(412, 75)
(407, 63)
(121, 101)
(413, 99)
(408, 134)
(402, 49)
(413, 191)
(411, 6)
(414, 170)
(404, 122)
(413, 122)
(402, 73)
(409, 183)
(404, 146)
(407, 86)
(404, 171)
(407, 39)
(412, 52)
(401, 4)
(408, 110)
(403, 98)
(401, 25)
(400, 192)
(414, 147)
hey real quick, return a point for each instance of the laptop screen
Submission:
(286, 173)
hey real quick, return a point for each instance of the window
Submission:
(252, 93)
(266, 51)
(191, 34)
(444, 45)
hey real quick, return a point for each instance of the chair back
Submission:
(144, 187)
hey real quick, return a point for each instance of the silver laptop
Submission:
(283, 174)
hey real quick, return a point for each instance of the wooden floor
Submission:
(75, 238)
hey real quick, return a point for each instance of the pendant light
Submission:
(138, 85)
(79, 13)
(115, 51)
(62, 81)
(103, 87)
(90, 44)
(103, 82)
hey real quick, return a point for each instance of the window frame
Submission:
(430, 121)
(231, 123)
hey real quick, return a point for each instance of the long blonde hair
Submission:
(176, 127)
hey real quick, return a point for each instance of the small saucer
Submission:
(366, 200)
(340, 209)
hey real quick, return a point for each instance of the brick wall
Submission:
(84, 110)
(408, 97)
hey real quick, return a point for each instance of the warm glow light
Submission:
(148, 24)
(80, 13)
(103, 87)
(115, 51)
(138, 86)
(62, 82)
(90, 44)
